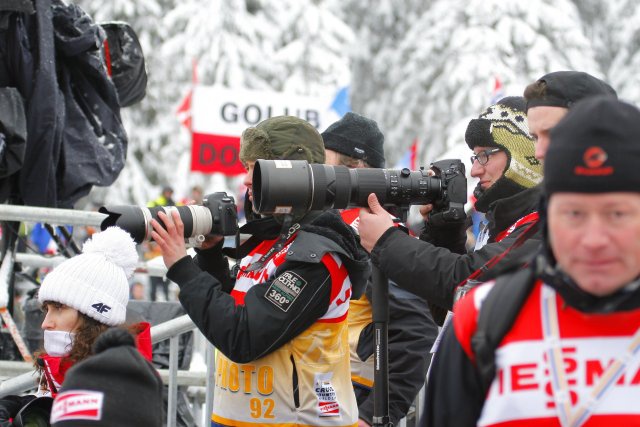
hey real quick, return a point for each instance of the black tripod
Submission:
(380, 306)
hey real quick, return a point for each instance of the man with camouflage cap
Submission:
(281, 327)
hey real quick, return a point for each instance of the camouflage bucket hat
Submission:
(282, 138)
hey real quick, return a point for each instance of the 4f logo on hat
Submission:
(594, 158)
(101, 308)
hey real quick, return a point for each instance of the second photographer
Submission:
(281, 326)
(504, 162)
(355, 141)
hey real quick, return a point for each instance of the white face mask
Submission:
(58, 343)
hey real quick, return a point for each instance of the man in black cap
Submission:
(570, 351)
(355, 141)
(552, 95)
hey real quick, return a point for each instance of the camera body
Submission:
(296, 187)
(450, 206)
(224, 211)
(217, 215)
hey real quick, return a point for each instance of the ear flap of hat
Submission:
(255, 144)
(478, 134)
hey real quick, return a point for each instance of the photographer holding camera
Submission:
(281, 327)
(504, 162)
(355, 141)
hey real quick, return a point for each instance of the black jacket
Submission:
(250, 331)
(75, 138)
(433, 272)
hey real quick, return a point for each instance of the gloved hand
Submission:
(451, 235)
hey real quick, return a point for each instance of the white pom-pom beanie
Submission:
(95, 282)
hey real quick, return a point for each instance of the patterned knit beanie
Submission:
(282, 138)
(358, 137)
(95, 282)
(504, 125)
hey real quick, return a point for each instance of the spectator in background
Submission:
(165, 198)
(197, 193)
(356, 142)
(195, 196)
(551, 96)
(568, 353)
(136, 292)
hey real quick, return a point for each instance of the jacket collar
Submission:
(625, 299)
(505, 212)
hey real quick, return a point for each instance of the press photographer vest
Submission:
(362, 371)
(522, 391)
(261, 392)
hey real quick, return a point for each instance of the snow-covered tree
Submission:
(614, 31)
(291, 45)
(444, 68)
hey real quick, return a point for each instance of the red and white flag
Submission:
(184, 109)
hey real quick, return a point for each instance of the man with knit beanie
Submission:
(281, 326)
(355, 141)
(508, 172)
(551, 96)
(568, 351)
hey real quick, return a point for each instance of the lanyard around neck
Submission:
(559, 383)
(286, 235)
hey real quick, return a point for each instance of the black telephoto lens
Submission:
(296, 187)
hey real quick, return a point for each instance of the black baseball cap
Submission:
(564, 88)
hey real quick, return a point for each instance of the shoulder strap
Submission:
(497, 314)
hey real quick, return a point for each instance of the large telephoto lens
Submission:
(296, 187)
(137, 220)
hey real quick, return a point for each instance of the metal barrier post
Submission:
(173, 381)
(211, 372)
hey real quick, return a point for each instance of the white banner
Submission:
(217, 110)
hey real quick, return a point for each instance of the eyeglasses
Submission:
(483, 156)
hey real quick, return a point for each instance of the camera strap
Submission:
(287, 232)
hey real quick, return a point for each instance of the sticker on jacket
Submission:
(328, 405)
(285, 289)
(77, 405)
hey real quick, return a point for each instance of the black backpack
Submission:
(499, 310)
